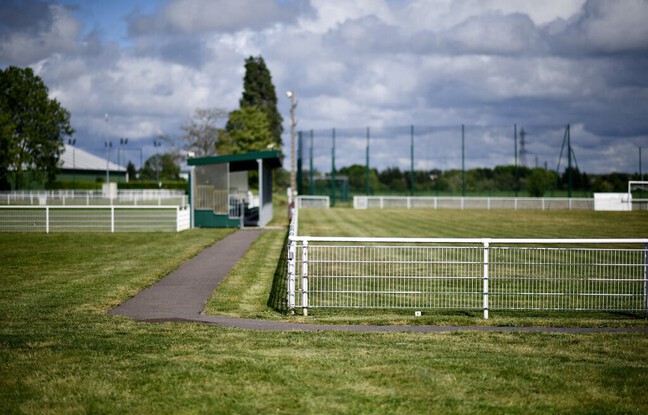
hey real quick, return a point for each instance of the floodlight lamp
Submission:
(289, 94)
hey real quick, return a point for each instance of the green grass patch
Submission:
(426, 223)
(475, 224)
(61, 354)
(247, 291)
(236, 296)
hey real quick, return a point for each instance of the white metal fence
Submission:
(318, 202)
(94, 218)
(144, 197)
(474, 274)
(487, 203)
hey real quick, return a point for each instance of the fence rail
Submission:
(94, 218)
(319, 202)
(146, 197)
(474, 274)
(487, 203)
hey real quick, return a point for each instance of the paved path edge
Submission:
(181, 297)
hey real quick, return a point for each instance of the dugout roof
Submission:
(241, 162)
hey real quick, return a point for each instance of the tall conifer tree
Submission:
(259, 93)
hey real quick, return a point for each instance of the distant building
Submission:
(80, 165)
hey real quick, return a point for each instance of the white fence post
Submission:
(291, 276)
(486, 243)
(46, 219)
(112, 219)
(645, 304)
(305, 278)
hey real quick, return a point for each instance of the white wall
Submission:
(612, 201)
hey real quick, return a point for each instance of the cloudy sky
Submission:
(354, 64)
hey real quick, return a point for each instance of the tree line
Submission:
(33, 129)
(500, 180)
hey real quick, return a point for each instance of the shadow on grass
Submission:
(277, 298)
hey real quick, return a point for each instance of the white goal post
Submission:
(321, 202)
(640, 202)
(636, 185)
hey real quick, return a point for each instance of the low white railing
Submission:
(94, 218)
(465, 273)
(319, 202)
(487, 203)
(147, 197)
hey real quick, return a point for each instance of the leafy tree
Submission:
(539, 181)
(33, 128)
(393, 179)
(131, 171)
(259, 92)
(248, 129)
(161, 167)
(201, 133)
(357, 175)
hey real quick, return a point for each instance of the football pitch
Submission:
(61, 353)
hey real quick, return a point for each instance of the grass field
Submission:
(426, 223)
(60, 352)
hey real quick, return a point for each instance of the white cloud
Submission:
(607, 27)
(328, 14)
(58, 34)
(362, 63)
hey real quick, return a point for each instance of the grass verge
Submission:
(241, 293)
(61, 354)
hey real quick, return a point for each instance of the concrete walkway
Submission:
(182, 295)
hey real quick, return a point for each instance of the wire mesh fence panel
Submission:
(394, 276)
(145, 220)
(92, 219)
(80, 220)
(567, 279)
(23, 220)
(494, 274)
(437, 160)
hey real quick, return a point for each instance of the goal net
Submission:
(637, 187)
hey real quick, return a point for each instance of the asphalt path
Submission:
(181, 297)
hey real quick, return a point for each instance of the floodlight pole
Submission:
(157, 144)
(293, 178)
(122, 142)
(108, 145)
(640, 171)
(72, 142)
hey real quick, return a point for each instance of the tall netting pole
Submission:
(516, 186)
(333, 170)
(367, 168)
(311, 184)
(299, 179)
(411, 160)
(463, 164)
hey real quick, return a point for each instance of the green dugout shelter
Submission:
(220, 192)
